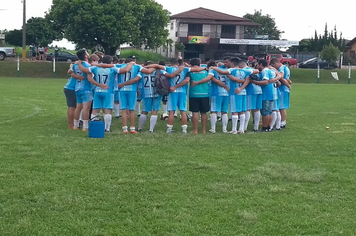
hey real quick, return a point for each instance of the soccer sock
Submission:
(85, 124)
(76, 123)
(184, 128)
(132, 128)
(247, 119)
(225, 120)
(242, 122)
(219, 114)
(117, 109)
(274, 118)
(92, 116)
(230, 117)
(190, 114)
(256, 119)
(81, 115)
(283, 123)
(278, 121)
(169, 128)
(165, 109)
(153, 122)
(141, 121)
(124, 128)
(234, 118)
(213, 119)
(138, 108)
(107, 120)
(175, 113)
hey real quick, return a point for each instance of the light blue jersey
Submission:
(286, 72)
(252, 89)
(122, 78)
(217, 90)
(82, 85)
(275, 87)
(267, 91)
(148, 85)
(71, 84)
(106, 76)
(238, 73)
(178, 79)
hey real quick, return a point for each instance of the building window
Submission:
(195, 30)
(228, 31)
(172, 25)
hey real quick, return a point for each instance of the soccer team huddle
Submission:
(100, 82)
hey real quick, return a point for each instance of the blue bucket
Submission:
(96, 129)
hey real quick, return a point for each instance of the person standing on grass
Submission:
(198, 95)
(56, 52)
(118, 53)
(276, 116)
(41, 52)
(83, 92)
(284, 90)
(267, 94)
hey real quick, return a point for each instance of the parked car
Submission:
(285, 59)
(6, 52)
(63, 56)
(313, 64)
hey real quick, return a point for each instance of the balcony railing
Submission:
(216, 35)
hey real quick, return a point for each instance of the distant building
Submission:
(350, 49)
(207, 34)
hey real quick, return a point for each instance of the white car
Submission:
(6, 52)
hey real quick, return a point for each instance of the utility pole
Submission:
(24, 32)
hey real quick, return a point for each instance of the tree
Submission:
(268, 25)
(39, 31)
(14, 37)
(110, 23)
(330, 54)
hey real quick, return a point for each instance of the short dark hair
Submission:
(195, 62)
(235, 61)
(263, 63)
(148, 63)
(162, 63)
(128, 60)
(211, 63)
(81, 54)
(121, 61)
(227, 58)
(242, 63)
(173, 61)
(274, 60)
(115, 60)
(180, 62)
(107, 59)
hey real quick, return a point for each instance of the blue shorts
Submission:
(219, 104)
(117, 96)
(151, 104)
(103, 101)
(237, 103)
(177, 100)
(128, 100)
(284, 100)
(84, 96)
(267, 108)
(254, 102)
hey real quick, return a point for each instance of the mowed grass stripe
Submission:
(299, 181)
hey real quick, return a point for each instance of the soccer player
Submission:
(198, 95)
(151, 101)
(219, 101)
(284, 89)
(83, 92)
(253, 98)
(267, 94)
(105, 82)
(276, 116)
(238, 81)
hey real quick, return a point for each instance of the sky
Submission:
(298, 19)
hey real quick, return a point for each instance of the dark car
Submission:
(63, 56)
(313, 64)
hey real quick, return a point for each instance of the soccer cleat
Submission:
(84, 130)
(254, 130)
(118, 117)
(80, 124)
(139, 130)
(133, 132)
(108, 131)
(240, 132)
(283, 126)
(225, 131)
(184, 131)
(212, 131)
(170, 131)
(138, 115)
(75, 128)
(125, 132)
(233, 132)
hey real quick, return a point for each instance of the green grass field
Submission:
(55, 181)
